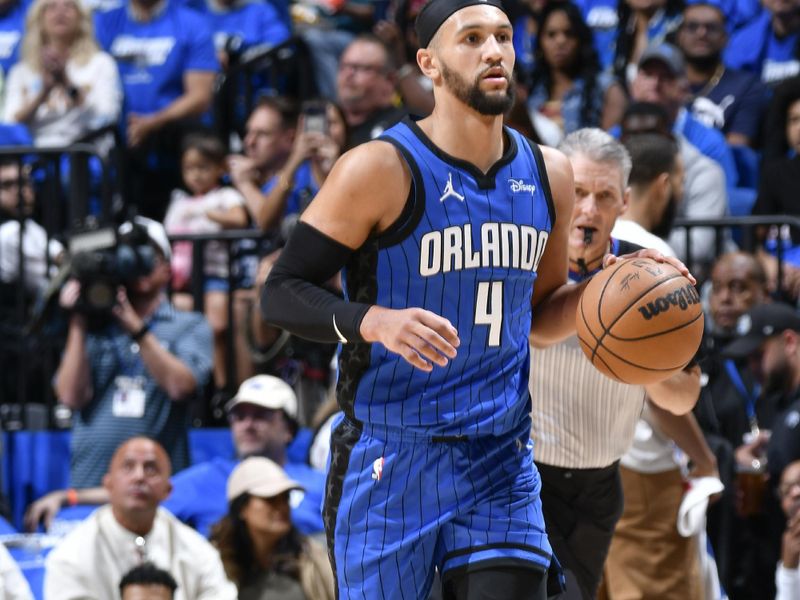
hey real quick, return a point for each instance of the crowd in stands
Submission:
(704, 94)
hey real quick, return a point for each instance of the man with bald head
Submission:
(132, 530)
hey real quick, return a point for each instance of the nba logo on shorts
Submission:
(377, 469)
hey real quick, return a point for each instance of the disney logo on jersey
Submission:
(519, 185)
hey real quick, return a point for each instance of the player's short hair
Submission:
(598, 146)
(148, 574)
(651, 156)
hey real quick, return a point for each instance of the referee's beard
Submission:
(472, 95)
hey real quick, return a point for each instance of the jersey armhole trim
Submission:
(414, 207)
(545, 181)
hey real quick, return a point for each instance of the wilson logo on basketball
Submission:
(682, 298)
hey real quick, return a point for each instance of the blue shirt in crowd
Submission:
(153, 56)
(757, 49)
(12, 25)
(198, 495)
(115, 365)
(735, 105)
(253, 23)
(304, 188)
(602, 18)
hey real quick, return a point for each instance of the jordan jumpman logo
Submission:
(449, 191)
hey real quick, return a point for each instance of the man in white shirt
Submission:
(90, 562)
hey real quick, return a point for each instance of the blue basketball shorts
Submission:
(399, 504)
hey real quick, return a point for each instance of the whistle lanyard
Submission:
(749, 397)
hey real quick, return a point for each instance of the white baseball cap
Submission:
(261, 477)
(266, 391)
(155, 231)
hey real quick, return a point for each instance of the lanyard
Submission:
(749, 397)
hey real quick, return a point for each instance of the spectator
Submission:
(662, 79)
(780, 140)
(320, 139)
(780, 174)
(166, 60)
(768, 336)
(730, 100)
(12, 26)
(136, 375)
(240, 26)
(147, 582)
(91, 560)
(262, 418)
(642, 24)
(566, 85)
(365, 85)
(262, 552)
(13, 585)
(602, 17)
(268, 142)
(767, 46)
(704, 182)
(579, 469)
(729, 403)
(64, 87)
(399, 35)
(208, 208)
(787, 578)
(328, 27)
(655, 189)
(16, 206)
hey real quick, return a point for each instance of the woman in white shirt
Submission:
(63, 86)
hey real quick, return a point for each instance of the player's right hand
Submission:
(421, 337)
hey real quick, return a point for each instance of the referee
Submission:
(583, 421)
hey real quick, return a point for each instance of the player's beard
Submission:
(474, 97)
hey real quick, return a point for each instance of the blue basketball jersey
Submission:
(466, 247)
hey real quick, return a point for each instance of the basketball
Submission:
(639, 321)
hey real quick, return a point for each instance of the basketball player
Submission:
(583, 421)
(442, 227)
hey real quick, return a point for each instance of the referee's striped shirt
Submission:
(581, 418)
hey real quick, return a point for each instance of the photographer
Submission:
(135, 375)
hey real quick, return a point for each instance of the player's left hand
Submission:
(657, 256)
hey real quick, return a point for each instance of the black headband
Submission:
(436, 12)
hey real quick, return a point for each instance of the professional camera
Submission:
(104, 259)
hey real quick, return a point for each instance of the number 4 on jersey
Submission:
(489, 309)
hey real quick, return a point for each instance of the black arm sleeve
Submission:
(293, 297)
